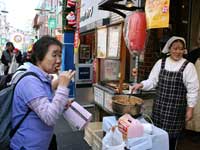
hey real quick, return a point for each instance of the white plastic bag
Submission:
(113, 140)
(1, 68)
(13, 66)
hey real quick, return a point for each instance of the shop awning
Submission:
(115, 6)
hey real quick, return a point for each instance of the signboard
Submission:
(114, 41)
(101, 42)
(90, 12)
(157, 13)
(52, 23)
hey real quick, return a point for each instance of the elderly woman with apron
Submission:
(177, 87)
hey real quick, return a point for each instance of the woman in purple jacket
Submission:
(36, 131)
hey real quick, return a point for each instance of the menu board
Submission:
(110, 70)
(101, 42)
(114, 41)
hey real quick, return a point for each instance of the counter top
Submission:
(142, 94)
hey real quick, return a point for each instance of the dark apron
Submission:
(169, 108)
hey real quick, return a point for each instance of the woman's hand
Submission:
(136, 87)
(68, 104)
(65, 78)
(189, 113)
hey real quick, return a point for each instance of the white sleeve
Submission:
(191, 82)
(48, 111)
(152, 80)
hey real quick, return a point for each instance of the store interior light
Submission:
(129, 3)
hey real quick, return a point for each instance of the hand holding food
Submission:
(65, 78)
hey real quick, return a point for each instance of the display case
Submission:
(111, 55)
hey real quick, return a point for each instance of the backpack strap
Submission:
(16, 77)
(21, 69)
(13, 131)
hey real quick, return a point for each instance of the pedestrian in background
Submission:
(177, 87)
(194, 123)
(36, 131)
(7, 55)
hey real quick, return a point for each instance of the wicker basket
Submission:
(97, 140)
(89, 131)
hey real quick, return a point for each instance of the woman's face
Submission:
(10, 47)
(177, 50)
(52, 60)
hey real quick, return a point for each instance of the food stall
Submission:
(115, 60)
(111, 57)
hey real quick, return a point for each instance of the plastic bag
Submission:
(113, 140)
(13, 66)
(1, 69)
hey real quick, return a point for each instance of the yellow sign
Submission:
(157, 13)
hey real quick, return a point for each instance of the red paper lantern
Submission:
(135, 32)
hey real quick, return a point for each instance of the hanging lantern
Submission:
(135, 32)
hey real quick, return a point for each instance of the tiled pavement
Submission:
(69, 139)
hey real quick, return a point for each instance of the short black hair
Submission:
(10, 44)
(40, 48)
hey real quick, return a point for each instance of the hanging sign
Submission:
(157, 13)
(52, 23)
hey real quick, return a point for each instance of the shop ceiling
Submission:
(117, 6)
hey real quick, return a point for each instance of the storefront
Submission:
(90, 19)
(114, 60)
